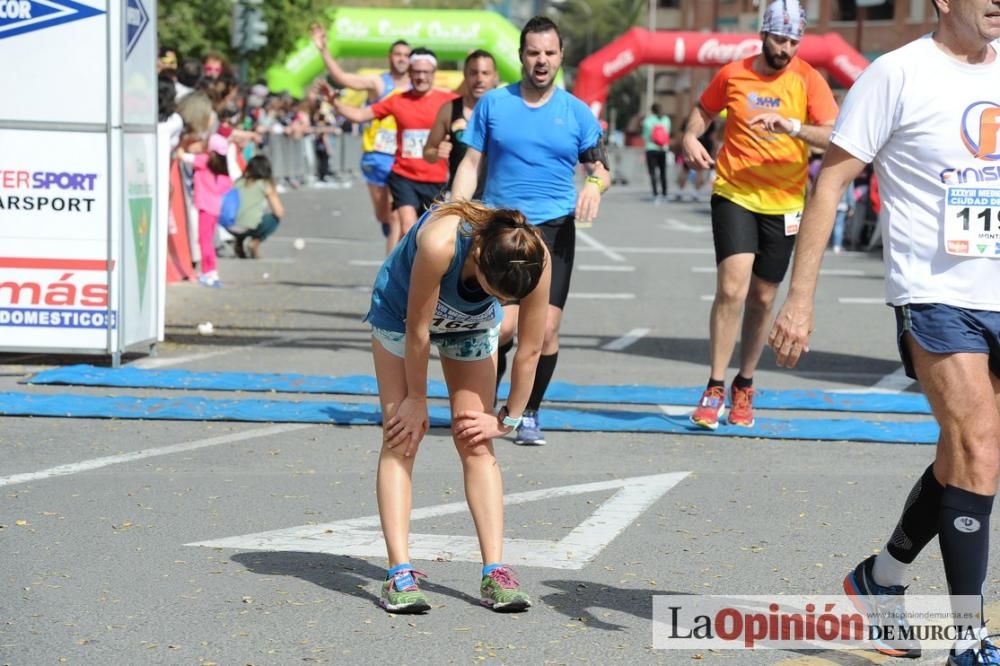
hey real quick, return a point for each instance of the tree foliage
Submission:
(590, 25)
(196, 27)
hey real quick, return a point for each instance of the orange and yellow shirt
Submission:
(760, 171)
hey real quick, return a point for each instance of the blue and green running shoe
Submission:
(400, 593)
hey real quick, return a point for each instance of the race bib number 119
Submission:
(972, 221)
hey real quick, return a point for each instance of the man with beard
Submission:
(378, 142)
(445, 141)
(413, 182)
(777, 107)
(533, 135)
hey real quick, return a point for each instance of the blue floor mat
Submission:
(87, 375)
(343, 413)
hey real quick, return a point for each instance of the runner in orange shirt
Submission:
(777, 106)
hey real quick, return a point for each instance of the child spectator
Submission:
(260, 207)
(211, 182)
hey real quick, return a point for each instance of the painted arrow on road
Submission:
(356, 537)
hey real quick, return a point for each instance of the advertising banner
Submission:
(363, 32)
(56, 57)
(79, 268)
(55, 265)
(140, 249)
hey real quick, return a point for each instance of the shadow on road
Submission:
(816, 364)
(338, 573)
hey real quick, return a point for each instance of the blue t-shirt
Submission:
(531, 153)
(460, 310)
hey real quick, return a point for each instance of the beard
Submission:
(773, 60)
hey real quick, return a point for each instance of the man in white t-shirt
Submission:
(927, 116)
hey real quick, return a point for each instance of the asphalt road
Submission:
(98, 517)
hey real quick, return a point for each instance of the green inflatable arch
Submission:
(367, 33)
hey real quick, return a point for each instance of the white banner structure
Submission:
(80, 236)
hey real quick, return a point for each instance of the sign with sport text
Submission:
(79, 238)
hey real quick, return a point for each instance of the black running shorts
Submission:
(559, 235)
(737, 230)
(406, 192)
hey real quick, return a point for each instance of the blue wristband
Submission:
(507, 419)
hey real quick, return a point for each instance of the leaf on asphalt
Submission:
(21, 523)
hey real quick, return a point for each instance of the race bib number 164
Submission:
(972, 221)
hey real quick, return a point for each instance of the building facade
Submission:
(871, 30)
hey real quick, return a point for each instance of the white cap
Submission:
(785, 18)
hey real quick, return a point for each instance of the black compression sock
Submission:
(543, 375)
(919, 522)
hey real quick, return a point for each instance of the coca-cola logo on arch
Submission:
(620, 62)
(713, 51)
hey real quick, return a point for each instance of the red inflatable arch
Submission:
(700, 49)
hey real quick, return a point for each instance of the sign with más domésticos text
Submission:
(54, 263)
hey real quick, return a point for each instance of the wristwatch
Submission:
(506, 419)
(796, 127)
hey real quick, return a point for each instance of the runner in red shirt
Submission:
(414, 182)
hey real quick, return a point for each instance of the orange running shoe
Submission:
(741, 406)
(710, 408)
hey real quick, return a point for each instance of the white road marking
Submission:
(708, 297)
(652, 250)
(849, 300)
(626, 340)
(367, 262)
(678, 225)
(356, 288)
(598, 246)
(163, 362)
(611, 269)
(97, 463)
(831, 272)
(323, 241)
(356, 537)
(613, 297)
(895, 381)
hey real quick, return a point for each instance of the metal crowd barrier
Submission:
(288, 157)
(294, 159)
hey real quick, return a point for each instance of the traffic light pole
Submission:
(248, 31)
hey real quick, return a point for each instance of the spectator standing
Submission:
(656, 134)
(211, 182)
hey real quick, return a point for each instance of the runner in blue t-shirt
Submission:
(533, 135)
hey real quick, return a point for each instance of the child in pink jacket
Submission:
(211, 182)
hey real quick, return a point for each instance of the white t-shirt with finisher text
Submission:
(930, 123)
